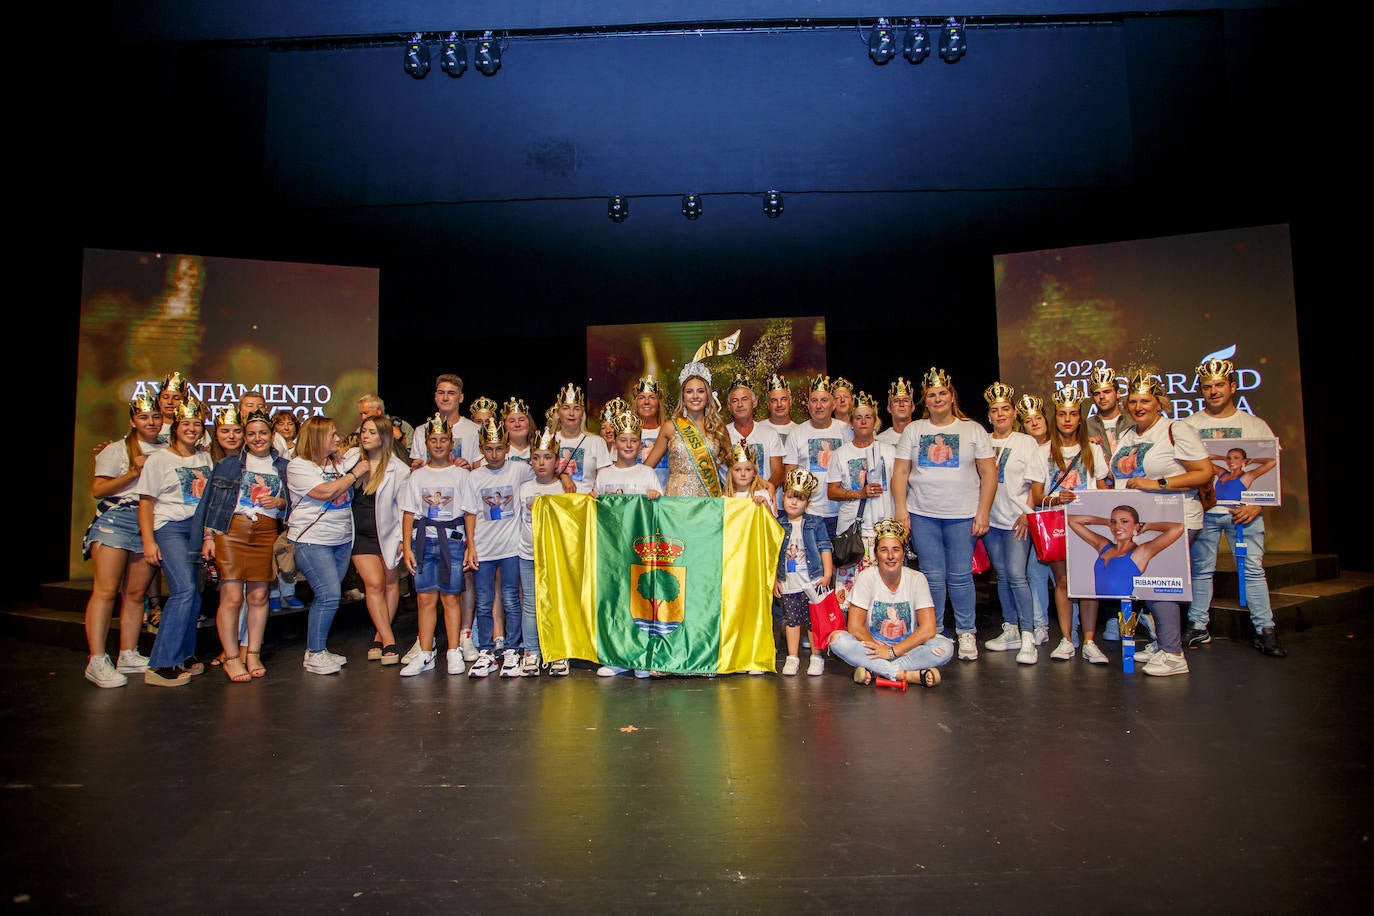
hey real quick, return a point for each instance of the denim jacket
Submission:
(216, 509)
(817, 541)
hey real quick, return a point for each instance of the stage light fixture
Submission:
(953, 41)
(916, 47)
(487, 57)
(454, 57)
(618, 209)
(882, 43)
(417, 57)
(691, 206)
(772, 204)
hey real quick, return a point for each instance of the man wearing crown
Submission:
(780, 410)
(1105, 425)
(901, 407)
(764, 443)
(814, 445)
(1221, 419)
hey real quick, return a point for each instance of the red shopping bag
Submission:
(1047, 531)
(981, 561)
(826, 618)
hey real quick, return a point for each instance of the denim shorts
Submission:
(428, 580)
(116, 528)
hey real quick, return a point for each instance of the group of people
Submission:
(454, 512)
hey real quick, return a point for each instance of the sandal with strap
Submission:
(236, 670)
(862, 677)
(374, 651)
(254, 665)
(390, 655)
(927, 677)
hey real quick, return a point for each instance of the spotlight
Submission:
(953, 43)
(417, 57)
(618, 209)
(916, 48)
(882, 44)
(691, 206)
(487, 58)
(454, 57)
(772, 205)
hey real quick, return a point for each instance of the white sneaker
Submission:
(1163, 664)
(1064, 651)
(1010, 638)
(484, 665)
(456, 665)
(790, 667)
(1029, 654)
(338, 659)
(529, 665)
(816, 667)
(510, 663)
(968, 646)
(468, 646)
(610, 671)
(423, 661)
(1093, 654)
(411, 653)
(1143, 655)
(559, 667)
(1042, 635)
(131, 662)
(101, 673)
(320, 663)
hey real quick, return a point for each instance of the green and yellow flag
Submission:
(677, 584)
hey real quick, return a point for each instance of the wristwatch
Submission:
(1163, 483)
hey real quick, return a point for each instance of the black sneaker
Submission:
(1267, 641)
(1196, 636)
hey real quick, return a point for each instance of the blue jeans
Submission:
(1008, 557)
(324, 568)
(1038, 579)
(932, 653)
(1214, 525)
(945, 546)
(181, 564)
(529, 616)
(510, 601)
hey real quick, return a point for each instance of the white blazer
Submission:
(388, 506)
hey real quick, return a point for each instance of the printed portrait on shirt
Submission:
(892, 621)
(938, 450)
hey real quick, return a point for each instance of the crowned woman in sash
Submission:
(696, 441)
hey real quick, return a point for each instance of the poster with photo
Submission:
(1127, 544)
(1247, 470)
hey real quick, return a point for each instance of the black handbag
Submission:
(847, 547)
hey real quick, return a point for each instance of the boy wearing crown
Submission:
(545, 482)
(804, 565)
(814, 445)
(901, 407)
(627, 475)
(580, 455)
(779, 400)
(1221, 419)
(438, 526)
(763, 441)
(1105, 426)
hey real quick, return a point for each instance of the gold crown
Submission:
(189, 409)
(174, 381)
(142, 403)
(889, 528)
(820, 383)
(741, 381)
(1029, 405)
(739, 452)
(551, 416)
(901, 388)
(864, 399)
(800, 481)
(492, 432)
(1142, 382)
(1068, 396)
(615, 406)
(658, 549)
(1102, 378)
(228, 416)
(485, 405)
(842, 382)
(569, 394)
(439, 426)
(1215, 370)
(626, 422)
(260, 415)
(936, 378)
(777, 383)
(999, 393)
(649, 385)
(546, 440)
(515, 405)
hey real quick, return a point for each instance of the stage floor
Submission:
(1244, 786)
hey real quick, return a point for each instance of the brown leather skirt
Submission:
(245, 551)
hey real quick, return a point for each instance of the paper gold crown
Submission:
(438, 426)
(569, 395)
(1102, 378)
(1215, 370)
(901, 388)
(1142, 382)
(626, 422)
(800, 481)
(741, 381)
(842, 382)
(513, 406)
(740, 454)
(228, 416)
(484, 405)
(546, 440)
(189, 409)
(142, 403)
(649, 385)
(658, 549)
(694, 370)
(614, 406)
(936, 378)
(864, 399)
(889, 528)
(1068, 396)
(820, 383)
(1029, 405)
(174, 381)
(492, 432)
(777, 383)
(999, 393)
(260, 416)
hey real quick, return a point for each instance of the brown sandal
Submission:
(862, 677)
(235, 670)
(926, 677)
(254, 665)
